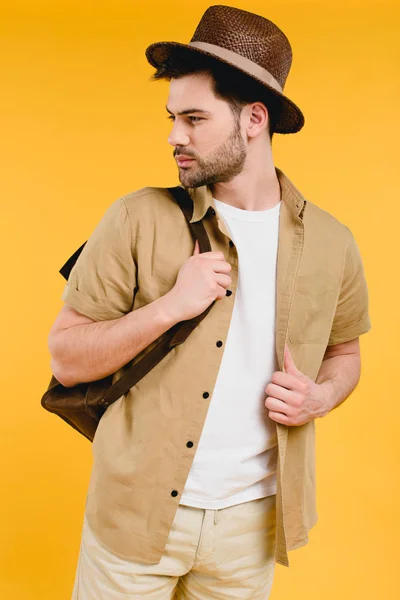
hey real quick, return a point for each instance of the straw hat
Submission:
(250, 43)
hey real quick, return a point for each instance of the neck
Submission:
(255, 188)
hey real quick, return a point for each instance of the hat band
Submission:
(240, 61)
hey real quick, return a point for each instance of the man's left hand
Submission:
(292, 397)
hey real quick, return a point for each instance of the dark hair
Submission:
(229, 83)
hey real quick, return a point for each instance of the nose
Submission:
(178, 137)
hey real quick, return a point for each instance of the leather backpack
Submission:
(83, 405)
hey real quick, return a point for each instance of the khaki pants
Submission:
(210, 554)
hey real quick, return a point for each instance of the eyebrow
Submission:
(189, 110)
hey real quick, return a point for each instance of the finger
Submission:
(277, 405)
(279, 392)
(223, 280)
(286, 380)
(221, 293)
(288, 362)
(279, 417)
(220, 266)
(215, 255)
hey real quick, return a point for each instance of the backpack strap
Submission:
(67, 267)
(175, 335)
(185, 203)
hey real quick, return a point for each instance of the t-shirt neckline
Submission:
(247, 215)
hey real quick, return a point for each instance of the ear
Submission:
(258, 119)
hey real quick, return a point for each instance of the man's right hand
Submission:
(202, 279)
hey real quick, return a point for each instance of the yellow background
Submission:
(81, 124)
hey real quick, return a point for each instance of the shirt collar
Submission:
(203, 200)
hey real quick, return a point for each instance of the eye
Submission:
(192, 119)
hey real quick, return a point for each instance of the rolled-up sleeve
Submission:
(102, 283)
(352, 311)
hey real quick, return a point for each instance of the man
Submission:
(204, 472)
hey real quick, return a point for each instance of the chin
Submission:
(192, 184)
(190, 181)
(186, 181)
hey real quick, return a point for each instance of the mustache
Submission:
(184, 153)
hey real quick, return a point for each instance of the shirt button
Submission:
(219, 343)
(174, 493)
(228, 292)
(189, 444)
(231, 243)
(205, 395)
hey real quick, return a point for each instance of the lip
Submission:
(183, 161)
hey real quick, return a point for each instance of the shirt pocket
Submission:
(312, 311)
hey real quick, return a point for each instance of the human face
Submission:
(205, 132)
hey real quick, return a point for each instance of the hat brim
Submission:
(291, 119)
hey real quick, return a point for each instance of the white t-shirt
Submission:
(236, 459)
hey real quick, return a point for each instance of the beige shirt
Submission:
(141, 457)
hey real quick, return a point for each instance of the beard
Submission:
(222, 165)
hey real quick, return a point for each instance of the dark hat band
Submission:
(240, 61)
